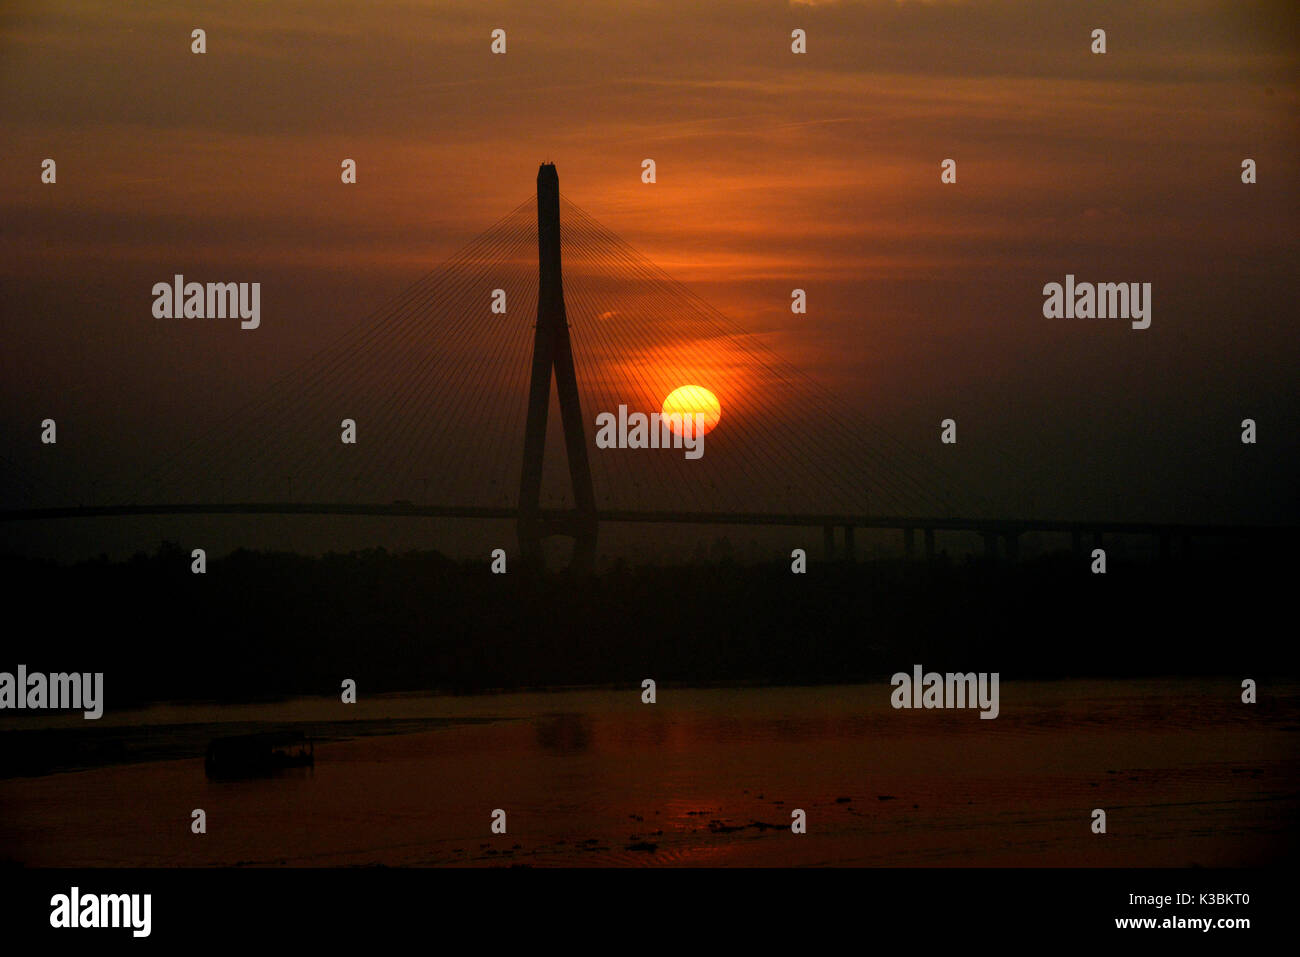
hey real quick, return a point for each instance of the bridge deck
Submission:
(938, 523)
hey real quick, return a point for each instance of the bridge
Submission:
(992, 530)
(439, 383)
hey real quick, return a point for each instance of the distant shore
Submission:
(267, 626)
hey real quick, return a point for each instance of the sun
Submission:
(693, 400)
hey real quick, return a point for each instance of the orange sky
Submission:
(771, 165)
(775, 171)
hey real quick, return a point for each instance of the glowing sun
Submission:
(692, 400)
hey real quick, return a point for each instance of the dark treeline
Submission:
(263, 624)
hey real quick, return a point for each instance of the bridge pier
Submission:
(990, 544)
(1012, 540)
(929, 544)
(553, 352)
(909, 543)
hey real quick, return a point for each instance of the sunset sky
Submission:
(775, 171)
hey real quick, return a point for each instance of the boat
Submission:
(258, 755)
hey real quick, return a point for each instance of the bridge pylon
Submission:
(552, 350)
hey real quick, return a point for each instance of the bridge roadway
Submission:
(1008, 530)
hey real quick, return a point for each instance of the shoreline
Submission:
(710, 777)
(72, 744)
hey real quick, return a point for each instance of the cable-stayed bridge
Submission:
(449, 388)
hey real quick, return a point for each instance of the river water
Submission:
(1187, 775)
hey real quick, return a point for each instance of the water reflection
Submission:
(564, 733)
(701, 777)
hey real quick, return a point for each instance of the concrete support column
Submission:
(1013, 545)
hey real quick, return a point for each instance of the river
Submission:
(1186, 773)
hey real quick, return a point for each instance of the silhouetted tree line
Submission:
(261, 624)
